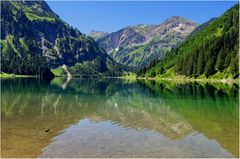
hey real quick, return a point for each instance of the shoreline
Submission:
(186, 80)
(6, 75)
(176, 80)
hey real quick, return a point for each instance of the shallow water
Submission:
(116, 118)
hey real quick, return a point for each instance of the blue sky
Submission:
(111, 16)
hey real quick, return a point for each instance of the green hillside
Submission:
(210, 52)
(34, 40)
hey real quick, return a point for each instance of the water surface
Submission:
(116, 118)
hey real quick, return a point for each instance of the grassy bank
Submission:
(129, 76)
(184, 79)
(126, 76)
(6, 75)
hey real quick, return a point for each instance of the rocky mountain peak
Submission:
(97, 34)
(175, 24)
(177, 20)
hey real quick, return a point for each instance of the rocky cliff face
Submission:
(121, 39)
(138, 45)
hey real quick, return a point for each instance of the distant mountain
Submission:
(97, 34)
(138, 45)
(211, 51)
(34, 39)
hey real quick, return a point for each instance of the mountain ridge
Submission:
(136, 45)
(41, 33)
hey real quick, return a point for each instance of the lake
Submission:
(118, 118)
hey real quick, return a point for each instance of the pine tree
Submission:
(220, 61)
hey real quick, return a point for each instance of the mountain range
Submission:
(140, 44)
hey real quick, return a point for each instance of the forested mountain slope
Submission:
(34, 39)
(211, 52)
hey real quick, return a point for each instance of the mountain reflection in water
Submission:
(117, 118)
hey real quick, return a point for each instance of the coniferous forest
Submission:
(210, 51)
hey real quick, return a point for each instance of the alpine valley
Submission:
(163, 86)
(36, 41)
